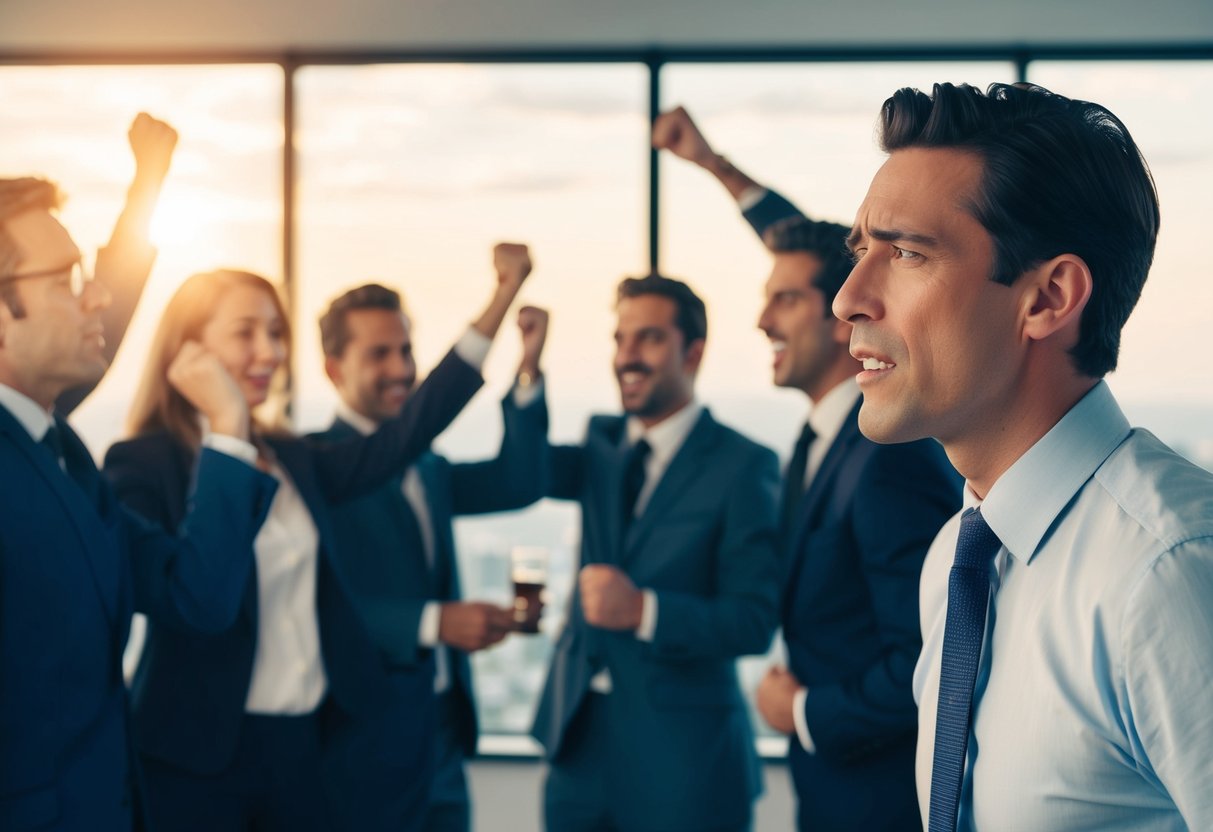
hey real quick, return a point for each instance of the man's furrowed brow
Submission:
(897, 235)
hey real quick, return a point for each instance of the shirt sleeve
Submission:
(1167, 679)
(431, 619)
(802, 724)
(750, 197)
(648, 616)
(473, 348)
(231, 446)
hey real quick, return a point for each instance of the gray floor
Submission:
(506, 797)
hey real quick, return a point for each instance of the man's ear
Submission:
(1054, 296)
(694, 355)
(332, 369)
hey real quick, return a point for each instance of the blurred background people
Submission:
(403, 768)
(231, 728)
(642, 719)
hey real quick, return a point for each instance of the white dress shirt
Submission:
(288, 668)
(33, 417)
(1093, 705)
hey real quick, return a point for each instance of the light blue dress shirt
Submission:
(1093, 707)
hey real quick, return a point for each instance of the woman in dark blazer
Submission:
(230, 728)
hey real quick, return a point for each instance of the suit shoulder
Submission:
(910, 474)
(746, 452)
(604, 424)
(923, 457)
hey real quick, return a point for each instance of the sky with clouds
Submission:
(407, 174)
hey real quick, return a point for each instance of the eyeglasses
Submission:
(75, 277)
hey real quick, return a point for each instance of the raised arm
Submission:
(515, 478)
(676, 132)
(353, 467)
(761, 206)
(126, 261)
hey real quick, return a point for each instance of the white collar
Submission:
(667, 436)
(828, 415)
(355, 419)
(28, 412)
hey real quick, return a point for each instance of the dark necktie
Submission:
(793, 482)
(53, 442)
(964, 628)
(633, 478)
(413, 542)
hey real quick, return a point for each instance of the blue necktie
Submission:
(964, 628)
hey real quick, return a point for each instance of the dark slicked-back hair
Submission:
(1059, 176)
(334, 323)
(825, 240)
(692, 316)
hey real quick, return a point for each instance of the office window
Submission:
(407, 176)
(221, 204)
(1161, 380)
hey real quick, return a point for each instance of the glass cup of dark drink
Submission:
(529, 571)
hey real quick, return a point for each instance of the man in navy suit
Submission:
(410, 597)
(73, 564)
(642, 719)
(857, 519)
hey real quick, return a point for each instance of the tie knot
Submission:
(977, 543)
(53, 441)
(639, 452)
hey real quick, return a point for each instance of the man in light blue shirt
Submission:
(998, 253)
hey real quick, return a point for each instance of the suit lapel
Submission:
(812, 505)
(389, 501)
(438, 507)
(78, 491)
(678, 477)
(606, 457)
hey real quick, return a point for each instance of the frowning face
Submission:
(939, 340)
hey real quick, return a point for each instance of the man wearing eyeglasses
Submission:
(73, 564)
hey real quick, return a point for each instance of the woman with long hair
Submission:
(230, 728)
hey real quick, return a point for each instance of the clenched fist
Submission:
(512, 262)
(775, 697)
(609, 599)
(152, 142)
(533, 325)
(676, 132)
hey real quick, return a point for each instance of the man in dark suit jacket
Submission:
(74, 564)
(857, 519)
(410, 597)
(642, 719)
